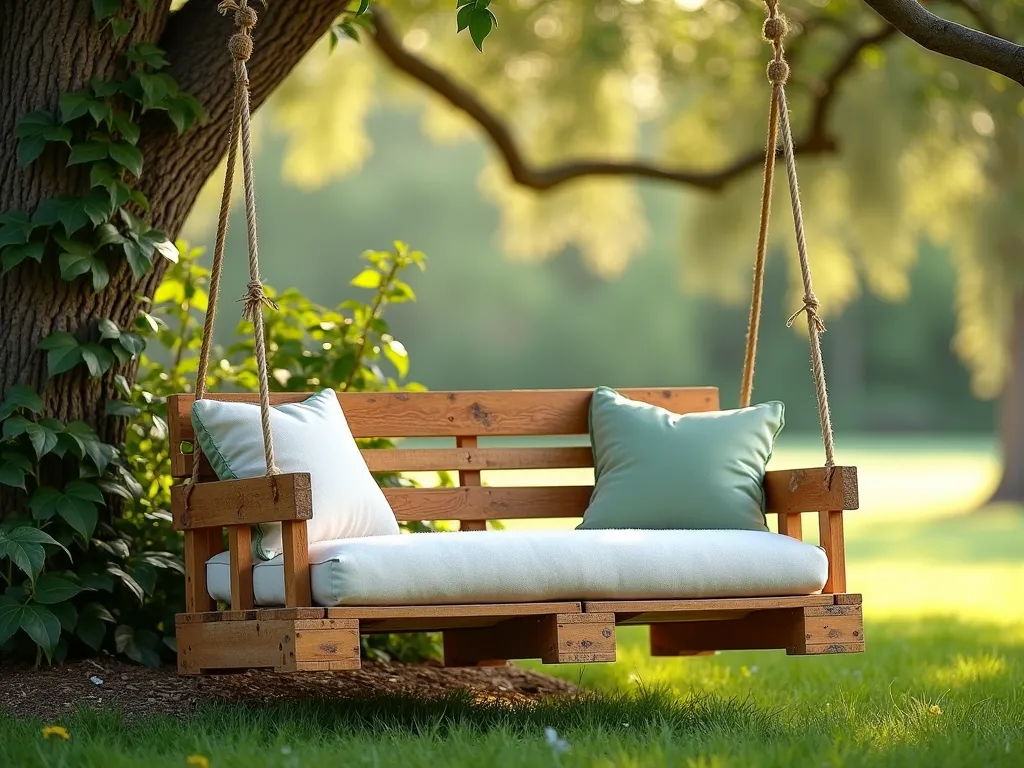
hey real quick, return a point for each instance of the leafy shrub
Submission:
(76, 585)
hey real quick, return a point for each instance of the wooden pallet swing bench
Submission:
(297, 598)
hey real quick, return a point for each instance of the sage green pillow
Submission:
(654, 469)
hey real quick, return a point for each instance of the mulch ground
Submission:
(49, 693)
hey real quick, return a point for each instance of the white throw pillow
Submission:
(312, 436)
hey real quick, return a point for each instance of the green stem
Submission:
(375, 311)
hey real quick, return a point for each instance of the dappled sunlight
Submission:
(970, 670)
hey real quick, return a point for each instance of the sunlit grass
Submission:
(941, 684)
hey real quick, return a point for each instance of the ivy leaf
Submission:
(91, 631)
(132, 343)
(21, 396)
(162, 245)
(119, 27)
(129, 130)
(30, 148)
(79, 514)
(43, 502)
(99, 452)
(10, 618)
(15, 426)
(114, 408)
(146, 53)
(127, 580)
(39, 623)
(127, 156)
(462, 18)
(13, 255)
(34, 124)
(97, 207)
(52, 589)
(399, 357)
(65, 612)
(16, 228)
(104, 88)
(80, 489)
(136, 260)
(43, 438)
(63, 352)
(102, 175)
(87, 152)
(74, 105)
(108, 329)
(14, 468)
(97, 358)
(23, 545)
(104, 9)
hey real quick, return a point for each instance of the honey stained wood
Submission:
(295, 548)
(645, 611)
(487, 503)
(450, 414)
(790, 524)
(252, 500)
(430, 618)
(800, 631)
(469, 478)
(200, 546)
(806, 490)
(830, 535)
(554, 639)
(284, 646)
(240, 565)
(476, 459)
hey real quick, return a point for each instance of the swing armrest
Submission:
(804, 490)
(243, 502)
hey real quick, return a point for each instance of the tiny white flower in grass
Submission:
(557, 744)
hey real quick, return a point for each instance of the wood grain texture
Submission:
(452, 414)
(554, 639)
(830, 535)
(790, 524)
(295, 548)
(634, 611)
(240, 565)
(469, 478)
(252, 500)
(233, 645)
(476, 459)
(806, 490)
(199, 546)
(487, 503)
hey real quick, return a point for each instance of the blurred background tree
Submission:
(616, 148)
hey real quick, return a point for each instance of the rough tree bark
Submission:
(1011, 415)
(45, 54)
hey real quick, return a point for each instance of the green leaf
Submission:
(65, 612)
(102, 175)
(23, 545)
(74, 105)
(87, 152)
(107, 234)
(10, 618)
(127, 156)
(97, 207)
(21, 396)
(43, 502)
(132, 343)
(481, 20)
(91, 631)
(148, 54)
(42, 437)
(395, 352)
(15, 426)
(163, 246)
(132, 585)
(42, 626)
(368, 278)
(79, 514)
(104, 9)
(115, 408)
(108, 329)
(34, 124)
(97, 358)
(462, 18)
(13, 255)
(17, 229)
(129, 130)
(14, 468)
(63, 352)
(30, 148)
(99, 452)
(104, 88)
(80, 489)
(52, 589)
(120, 27)
(136, 260)
(101, 112)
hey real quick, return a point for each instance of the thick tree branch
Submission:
(952, 39)
(196, 39)
(817, 140)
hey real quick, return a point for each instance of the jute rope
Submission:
(240, 46)
(775, 30)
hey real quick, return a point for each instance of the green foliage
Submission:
(74, 584)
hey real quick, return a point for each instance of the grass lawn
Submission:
(942, 682)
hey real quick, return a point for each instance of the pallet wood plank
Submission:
(848, 598)
(487, 503)
(295, 547)
(807, 490)
(226, 645)
(290, 614)
(747, 604)
(373, 612)
(469, 478)
(240, 564)
(335, 641)
(199, 546)
(465, 458)
(830, 534)
(814, 650)
(791, 525)
(251, 500)
(554, 639)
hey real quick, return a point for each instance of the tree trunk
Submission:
(43, 54)
(1011, 415)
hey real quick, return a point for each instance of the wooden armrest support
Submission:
(239, 502)
(804, 490)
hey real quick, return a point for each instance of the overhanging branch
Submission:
(816, 141)
(952, 39)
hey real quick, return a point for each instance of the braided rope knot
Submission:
(778, 72)
(775, 28)
(810, 307)
(240, 46)
(253, 299)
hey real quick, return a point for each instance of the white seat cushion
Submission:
(533, 566)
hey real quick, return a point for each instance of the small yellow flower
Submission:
(198, 761)
(56, 730)
(935, 709)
